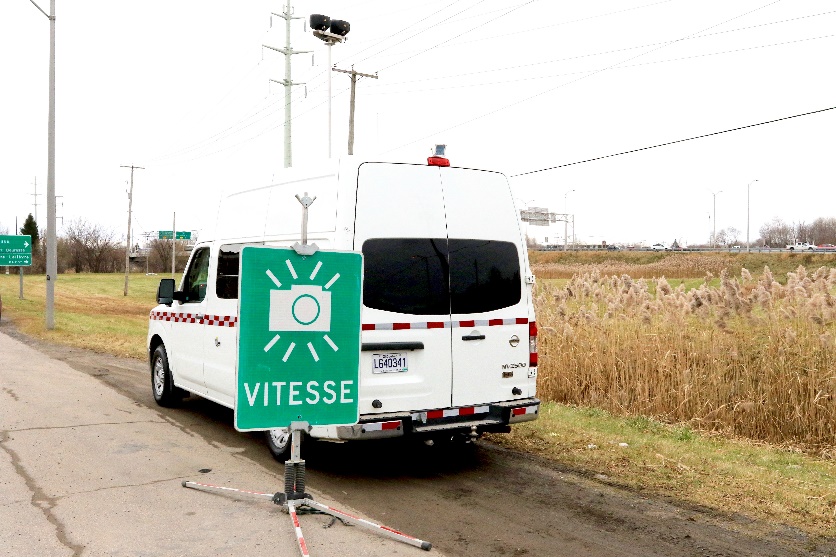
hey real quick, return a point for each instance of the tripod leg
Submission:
(384, 530)
(303, 547)
(209, 487)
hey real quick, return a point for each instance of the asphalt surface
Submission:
(91, 466)
(88, 471)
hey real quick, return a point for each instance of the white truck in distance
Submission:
(801, 246)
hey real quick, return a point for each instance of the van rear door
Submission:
(489, 305)
(400, 226)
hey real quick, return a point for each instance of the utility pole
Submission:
(128, 236)
(288, 51)
(353, 75)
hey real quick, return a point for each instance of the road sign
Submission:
(181, 235)
(16, 251)
(298, 338)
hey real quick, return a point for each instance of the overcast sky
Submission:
(181, 87)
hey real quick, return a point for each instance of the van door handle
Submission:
(473, 337)
(200, 316)
(369, 346)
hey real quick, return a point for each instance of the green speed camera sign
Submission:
(299, 338)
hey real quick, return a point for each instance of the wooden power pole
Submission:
(353, 75)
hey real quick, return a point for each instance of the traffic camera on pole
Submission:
(329, 30)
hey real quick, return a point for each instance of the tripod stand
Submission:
(294, 497)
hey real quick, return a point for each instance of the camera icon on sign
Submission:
(302, 308)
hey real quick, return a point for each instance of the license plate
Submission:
(389, 363)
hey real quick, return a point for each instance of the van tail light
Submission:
(532, 344)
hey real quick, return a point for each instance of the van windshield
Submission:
(434, 276)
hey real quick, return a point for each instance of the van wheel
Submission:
(162, 384)
(278, 441)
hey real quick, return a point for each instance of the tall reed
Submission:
(749, 356)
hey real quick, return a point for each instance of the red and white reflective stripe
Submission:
(303, 547)
(215, 320)
(444, 324)
(381, 426)
(524, 410)
(451, 413)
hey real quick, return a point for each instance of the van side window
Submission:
(226, 285)
(433, 276)
(195, 282)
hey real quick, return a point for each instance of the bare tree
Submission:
(777, 233)
(92, 248)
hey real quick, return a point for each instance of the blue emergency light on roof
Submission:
(438, 158)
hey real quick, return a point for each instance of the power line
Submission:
(604, 52)
(674, 142)
(581, 72)
(541, 93)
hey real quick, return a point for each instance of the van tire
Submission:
(278, 441)
(162, 383)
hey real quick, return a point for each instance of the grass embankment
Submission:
(716, 468)
(90, 310)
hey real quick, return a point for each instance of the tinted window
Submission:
(226, 284)
(428, 276)
(484, 275)
(406, 275)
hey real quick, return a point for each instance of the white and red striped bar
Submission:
(291, 508)
(384, 530)
(381, 426)
(206, 487)
(524, 410)
(215, 320)
(450, 413)
(444, 324)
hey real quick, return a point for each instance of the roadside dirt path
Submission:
(485, 502)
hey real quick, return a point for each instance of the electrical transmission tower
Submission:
(288, 51)
(353, 75)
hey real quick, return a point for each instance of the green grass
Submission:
(90, 310)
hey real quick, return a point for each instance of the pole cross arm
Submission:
(285, 82)
(352, 72)
(286, 51)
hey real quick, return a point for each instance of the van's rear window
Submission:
(434, 276)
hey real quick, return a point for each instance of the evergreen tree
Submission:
(30, 227)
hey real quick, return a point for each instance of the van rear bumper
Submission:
(496, 416)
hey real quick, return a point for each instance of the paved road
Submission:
(87, 471)
(88, 449)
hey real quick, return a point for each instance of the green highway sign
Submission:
(298, 338)
(16, 251)
(166, 235)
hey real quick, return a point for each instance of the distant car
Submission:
(659, 247)
(826, 247)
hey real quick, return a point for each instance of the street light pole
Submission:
(714, 233)
(747, 213)
(51, 236)
(566, 218)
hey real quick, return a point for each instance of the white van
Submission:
(448, 331)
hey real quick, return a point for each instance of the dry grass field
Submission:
(744, 355)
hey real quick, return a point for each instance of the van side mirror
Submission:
(165, 292)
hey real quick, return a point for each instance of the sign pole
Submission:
(21, 282)
(286, 300)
